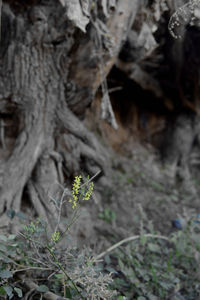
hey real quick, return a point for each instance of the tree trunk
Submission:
(49, 73)
(54, 56)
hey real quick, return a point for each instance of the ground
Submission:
(138, 184)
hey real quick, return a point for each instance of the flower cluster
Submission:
(32, 227)
(55, 236)
(75, 191)
(89, 192)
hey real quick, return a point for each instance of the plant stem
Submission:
(63, 270)
(57, 263)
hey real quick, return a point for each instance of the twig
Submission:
(36, 260)
(64, 272)
(94, 176)
(31, 268)
(56, 262)
(73, 220)
(115, 89)
(52, 274)
(129, 239)
(31, 240)
(65, 192)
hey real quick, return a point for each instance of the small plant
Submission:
(63, 271)
(108, 215)
(12, 255)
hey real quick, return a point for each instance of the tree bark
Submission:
(49, 74)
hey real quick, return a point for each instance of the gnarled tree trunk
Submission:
(49, 73)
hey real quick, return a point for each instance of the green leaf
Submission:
(139, 257)
(11, 252)
(5, 274)
(107, 259)
(19, 292)
(101, 215)
(13, 245)
(10, 213)
(3, 248)
(42, 288)
(68, 293)
(8, 289)
(111, 270)
(11, 237)
(99, 267)
(121, 264)
(153, 247)
(165, 285)
(2, 291)
(141, 298)
(143, 239)
(5, 258)
(59, 276)
(3, 238)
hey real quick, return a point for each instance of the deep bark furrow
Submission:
(38, 206)
(26, 155)
(87, 143)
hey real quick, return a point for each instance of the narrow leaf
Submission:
(8, 289)
(3, 238)
(19, 292)
(42, 288)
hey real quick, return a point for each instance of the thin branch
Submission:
(31, 240)
(52, 274)
(64, 271)
(25, 268)
(94, 176)
(31, 268)
(36, 260)
(115, 89)
(129, 239)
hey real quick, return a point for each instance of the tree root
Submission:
(79, 143)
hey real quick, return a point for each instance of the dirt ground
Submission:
(137, 192)
(138, 188)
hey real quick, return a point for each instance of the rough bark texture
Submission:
(54, 56)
